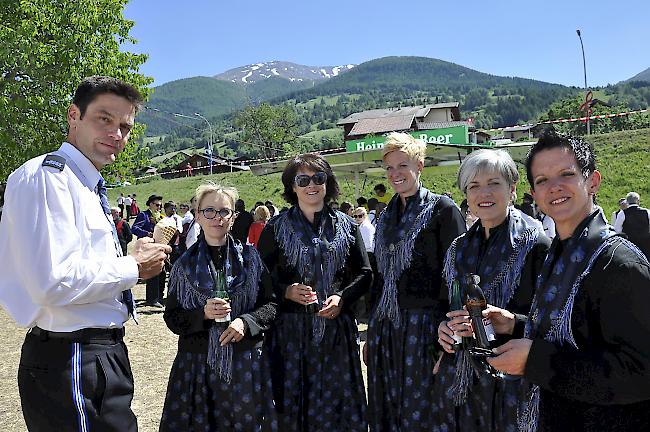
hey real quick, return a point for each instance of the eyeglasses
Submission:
(211, 213)
(303, 180)
(157, 205)
(357, 216)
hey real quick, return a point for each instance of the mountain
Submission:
(205, 95)
(291, 71)
(641, 76)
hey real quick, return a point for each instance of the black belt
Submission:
(87, 335)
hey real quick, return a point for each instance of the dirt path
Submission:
(152, 348)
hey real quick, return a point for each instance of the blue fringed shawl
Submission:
(192, 283)
(500, 269)
(299, 246)
(556, 289)
(394, 245)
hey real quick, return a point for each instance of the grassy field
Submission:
(623, 159)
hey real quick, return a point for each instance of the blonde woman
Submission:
(412, 236)
(220, 379)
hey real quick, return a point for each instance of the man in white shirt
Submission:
(128, 201)
(634, 222)
(63, 276)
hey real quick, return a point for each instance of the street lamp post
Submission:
(210, 145)
(584, 67)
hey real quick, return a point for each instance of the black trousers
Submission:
(156, 288)
(76, 386)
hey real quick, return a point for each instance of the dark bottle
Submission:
(312, 307)
(475, 302)
(456, 303)
(221, 293)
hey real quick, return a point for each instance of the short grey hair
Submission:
(633, 198)
(484, 160)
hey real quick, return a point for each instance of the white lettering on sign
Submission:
(433, 139)
(372, 145)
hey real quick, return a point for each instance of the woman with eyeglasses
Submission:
(319, 268)
(413, 234)
(220, 302)
(507, 252)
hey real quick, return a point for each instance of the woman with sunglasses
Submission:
(507, 253)
(319, 268)
(220, 302)
(412, 236)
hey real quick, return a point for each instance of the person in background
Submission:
(134, 207)
(585, 348)
(242, 222)
(634, 222)
(362, 202)
(372, 210)
(526, 205)
(380, 193)
(507, 253)
(272, 208)
(346, 208)
(547, 224)
(170, 214)
(120, 204)
(315, 254)
(411, 240)
(2, 198)
(262, 215)
(378, 211)
(128, 202)
(63, 276)
(334, 205)
(193, 228)
(142, 228)
(622, 205)
(362, 309)
(220, 378)
(124, 234)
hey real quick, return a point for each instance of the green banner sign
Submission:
(452, 135)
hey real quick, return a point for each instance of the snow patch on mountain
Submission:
(252, 73)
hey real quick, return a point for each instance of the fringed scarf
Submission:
(316, 256)
(394, 245)
(500, 266)
(565, 267)
(192, 283)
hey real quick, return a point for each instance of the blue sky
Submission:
(534, 40)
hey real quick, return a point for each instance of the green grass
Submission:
(623, 159)
(317, 135)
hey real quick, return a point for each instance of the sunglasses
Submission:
(303, 180)
(357, 216)
(211, 213)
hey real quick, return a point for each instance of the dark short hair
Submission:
(313, 162)
(380, 187)
(169, 204)
(550, 139)
(372, 203)
(91, 87)
(345, 206)
(153, 198)
(361, 201)
(240, 205)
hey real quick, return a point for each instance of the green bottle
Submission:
(456, 303)
(221, 293)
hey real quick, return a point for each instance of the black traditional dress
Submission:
(410, 246)
(213, 388)
(316, 368)
(465, 398)
(590, 356)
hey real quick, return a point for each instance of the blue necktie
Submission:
(127, 295)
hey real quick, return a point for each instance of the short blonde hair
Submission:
(262, 213)
(361, 210)
(399, 141)
(209, 187)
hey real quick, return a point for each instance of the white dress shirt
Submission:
(368, 234)
(58, 264)
(620, 218)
